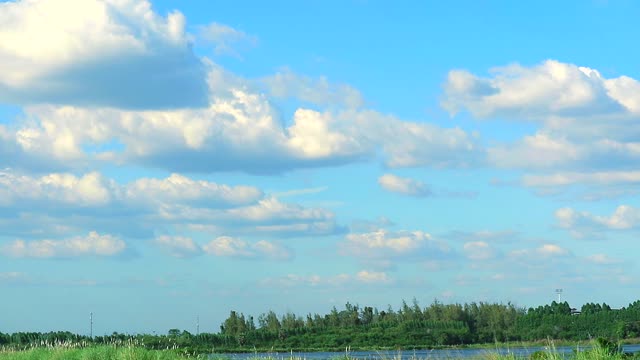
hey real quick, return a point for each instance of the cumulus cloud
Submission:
(587, 124)
(223, 246)
(536, 151)
(127, 89)
(232, 247)
(363, 277)
(404, 186)
(583, 224)
(543, 251)
(180, 189)
(479, 251)
(589, 178)
(382, 246)
(238, 131)
(269, 216)
(93, 244)
(178, 246)
(319, 91)
(103, 53)
(487, 236)
(372, 277)
(533, 93)
(100, 203)
(91, 189)
(225, 39)
(95, 190)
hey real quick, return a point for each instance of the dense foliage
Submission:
(410, 326)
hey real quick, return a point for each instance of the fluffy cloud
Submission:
(104, 52)
(320, 91)
(225, 39)
(372, 277)
(535, 93)
(383, 245)
(95, 190)
(93, 244)
(269, 216)
(541, 252)
(536, 151)
(238, 131)
(479, 251)
(590, 178)
(585, 224)
(405, 186)
(178, 246)
(587, 124)
(232, 247)
(179, 189)
(485, 236)
(91, 189)
(96, 202)
(363, 277)
(223, 246)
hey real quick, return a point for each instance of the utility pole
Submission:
(198, 325)
(91, 325)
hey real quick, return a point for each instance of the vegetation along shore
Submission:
(411, 326)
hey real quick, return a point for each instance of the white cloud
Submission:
(405, 186)
(587, 126)
(534, 93)
(372, 277)
(232, 247)
(591, 178)
(91, 189)
(383, 245)
(363, 277)
(239, 130)
(180, 189)
(178, 246)
(225, 39)
(479, 251)
(104, 52)
(320, 91)
(536, 151)
(487, 236)
(95, 190)
(602, 259)
(92, 201)
(586, 224)
(543, 251)
(93, 244)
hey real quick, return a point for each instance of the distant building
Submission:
(575, 311)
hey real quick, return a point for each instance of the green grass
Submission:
(93, 353)
(600, 350)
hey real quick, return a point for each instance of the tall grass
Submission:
(94, 353)
(130, 351)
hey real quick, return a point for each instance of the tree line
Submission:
(410, 326)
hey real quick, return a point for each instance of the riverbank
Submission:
(595, 352)
(484, 346)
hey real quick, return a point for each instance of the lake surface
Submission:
(417, 354)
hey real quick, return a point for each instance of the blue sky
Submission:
(168, 160)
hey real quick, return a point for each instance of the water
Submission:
(417, 354)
